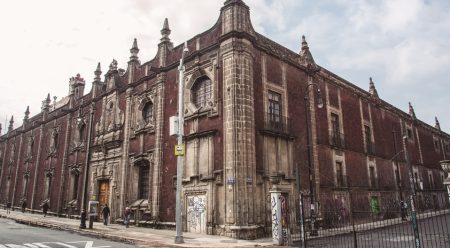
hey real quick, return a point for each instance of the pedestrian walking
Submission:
(126, 215)
(8, 207)
(403, 210)
(24, 206)
(45, 208)
(106, 212)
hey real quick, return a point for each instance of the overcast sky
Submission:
(404, 45)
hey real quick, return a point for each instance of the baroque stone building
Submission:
(245, 123)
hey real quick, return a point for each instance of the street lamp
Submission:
(309, 148)
(397, 175)
(413, 195)
(180, 133)
(445, 165)
(86, 170)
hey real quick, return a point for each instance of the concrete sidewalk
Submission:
(139, 236)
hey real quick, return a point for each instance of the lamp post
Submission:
(86, 170)
(180, 133)
(397, 175)
(313, 231)
(445, 165)
(413, 195)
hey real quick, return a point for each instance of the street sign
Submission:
(179, 150)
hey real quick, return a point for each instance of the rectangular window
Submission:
(397, 177)
(430, 181)
(76, 178)
(416, 180)
(368, 137)
(274, 107)
(436, 145)
(409, 132)
(372, 177)
(335, 130)
(144, 185)
(339, 175)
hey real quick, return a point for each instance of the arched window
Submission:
(201, 92)
(147, 112)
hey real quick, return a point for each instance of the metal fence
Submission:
(376, 219)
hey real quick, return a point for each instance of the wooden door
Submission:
(103, 195)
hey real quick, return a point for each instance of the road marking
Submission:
(65, 245)
(15, 246)
(89, 244)
(41, 245)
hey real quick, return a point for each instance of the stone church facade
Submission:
(245, 124)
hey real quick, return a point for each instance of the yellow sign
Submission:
(179, 150)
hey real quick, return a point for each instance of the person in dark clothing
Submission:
(45, 208)
(24, 206)
(106, 212)
(127, 214)
(8, 207)
(404, 210)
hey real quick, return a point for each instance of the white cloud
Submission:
(401, 43)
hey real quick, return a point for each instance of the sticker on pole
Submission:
(179, 150)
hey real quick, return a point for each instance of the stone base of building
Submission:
(240, 232)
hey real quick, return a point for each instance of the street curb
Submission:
(112, 237)
(86, 232)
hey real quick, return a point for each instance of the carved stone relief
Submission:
(78, 132)
(29, 152)
(109, 127)
(12, 154)
(54, 133)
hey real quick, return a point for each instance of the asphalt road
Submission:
(433, 232)
(14, 235)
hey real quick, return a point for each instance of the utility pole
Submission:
(180, 156)
(413, 195)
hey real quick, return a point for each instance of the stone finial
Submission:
(134, 50)
(411, 111)
(113, 65)
(372, 89)
(97, 73)
(437, 125)
(46, 103)
(54, 102)
(27, 114)
(11, 124)
(306, 58)
(165, 31)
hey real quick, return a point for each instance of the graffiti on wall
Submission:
(275, 221)
(284, 219)
(196, 213)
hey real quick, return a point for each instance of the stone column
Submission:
(239, 138)
(445, 164)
